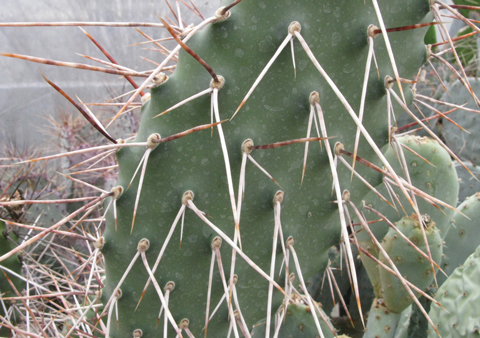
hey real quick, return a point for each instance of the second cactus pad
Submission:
(460, 300)
(413, 266)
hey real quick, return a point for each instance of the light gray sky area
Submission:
(26, 99)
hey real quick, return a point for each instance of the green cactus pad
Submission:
(404, 323)
(278, 110)
(460, 300)
(469, 185)
(463, 237)
(437, 177)
(418, 322)
(382, 323)
(433, 172)
(298, 322)
(412, 265)
(456, 138)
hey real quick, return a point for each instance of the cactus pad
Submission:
(460, 301)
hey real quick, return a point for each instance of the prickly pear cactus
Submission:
(411, 264)
(413, 323)
(430, 168)
(403, 324)
(463, 142)
(468, 184)
(381, 322)
(458, 316)
(463, 237)
(183, 210)
(298, 322)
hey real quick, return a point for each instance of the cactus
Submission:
(468, 184)
(430, 167)
(298, 322)
(180, 239)
(462, 238)
(403, 325)
(458, 316)
(392, 296)
(463, 143)
(418, 323)
(381, 322)
(413, 323)
(169, 172)
(412, 265)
